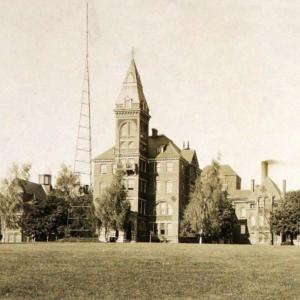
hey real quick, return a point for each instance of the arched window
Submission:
(123, 145)
(128, 129)
(124, 130)
(131, 145)
(132, 128)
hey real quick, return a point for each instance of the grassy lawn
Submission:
(148, 271)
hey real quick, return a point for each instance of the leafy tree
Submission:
(79, 202)
(286, 218)
(209, 213)
(67, 183)
(45, 219)
(11, 195)
(113, 207)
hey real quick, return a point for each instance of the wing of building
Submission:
(253, 207)
(159, 175)
(29, 190)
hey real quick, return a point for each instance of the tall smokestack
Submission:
(284, 188)
(264, 170)
(252, 185)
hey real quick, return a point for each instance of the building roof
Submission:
(32, 188)
(226, 170)
(170, 149)
(107, 155)
(271, 187)
(190, 156)
(240, 194)
(132, 88)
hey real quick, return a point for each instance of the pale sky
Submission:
(224, 75)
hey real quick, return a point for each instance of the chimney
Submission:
(45, 181)
(252, 185)
(284, 188)
(183, 146)
(154, 132)
(188, 145)
(264, 170)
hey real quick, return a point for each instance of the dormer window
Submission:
(128, 103)
(161, 149)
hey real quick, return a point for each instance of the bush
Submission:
(286, 243)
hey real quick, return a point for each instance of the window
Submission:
(131, 129)
(143, 186)
(243, 229)
(169, 187)
(158, 166)
(128, 129)
(143, 166)
(243, 212)
(102, 187)
(260, 202)
(169, 229)
(252, 221)
(114, 169)
(142, 207)
(161, 149)
(131, 162)
(252, 205)
(169, 167)
(162, 229)
(163, 208)
(131, 145)
(103, 169)
(128, 103)
(124, 130)
(130, 184)
(158, 186)
(261, 220)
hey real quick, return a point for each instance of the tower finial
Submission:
(132, 53)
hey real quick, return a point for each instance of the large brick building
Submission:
(159, 175)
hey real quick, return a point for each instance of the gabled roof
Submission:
(170, 149)
(190, 156)
(271, 187)
(226, 170)
(107, 155)
(32, 188)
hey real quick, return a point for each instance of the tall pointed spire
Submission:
(132, 88)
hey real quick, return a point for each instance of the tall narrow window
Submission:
(261, 220)
(169, 187)
(130, 184)
(163, 208)
(103, 169)
(158, 166)
(169, 167)
(243, 212)
(243, 229)
(158, 186)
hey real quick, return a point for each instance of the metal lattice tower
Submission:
(78, 213)
(83, 151)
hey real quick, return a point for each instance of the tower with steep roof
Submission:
(158, 174)
(131, 145)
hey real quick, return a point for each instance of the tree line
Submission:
(210, 214)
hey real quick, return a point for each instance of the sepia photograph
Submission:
(149, 149)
